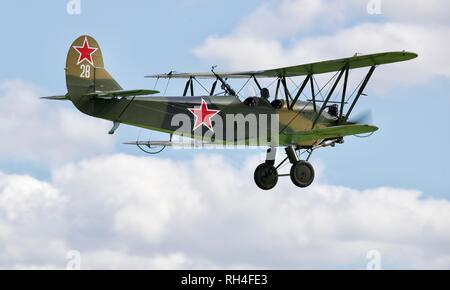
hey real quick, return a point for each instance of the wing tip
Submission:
(373, 128)
(410, 54)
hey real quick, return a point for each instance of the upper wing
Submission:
(306, 69)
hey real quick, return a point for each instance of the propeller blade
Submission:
(362, 118)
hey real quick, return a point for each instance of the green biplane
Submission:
(222, 118)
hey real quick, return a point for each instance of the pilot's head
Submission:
(265, 94)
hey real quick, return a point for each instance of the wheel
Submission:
(302, 174)
(266, 176)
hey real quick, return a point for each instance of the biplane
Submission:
(220, 116)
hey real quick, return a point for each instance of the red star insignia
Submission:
(85, 52)
(203, 116)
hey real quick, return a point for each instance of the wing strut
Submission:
(313, 94)
(192, 86)
(257, 83)
(361, 90)
(286, 92)
(344, 92)
(329, 96)
(278, 89)
(186, 88)
(300, 91)
(213, 88)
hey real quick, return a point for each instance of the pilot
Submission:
(333, 110)
(265, 94)
(264, 99)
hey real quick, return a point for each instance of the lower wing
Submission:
(329, 133)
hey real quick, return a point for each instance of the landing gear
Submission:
(266, 176)
(302, 172)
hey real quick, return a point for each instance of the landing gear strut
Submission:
(266, 174)
(302, 172)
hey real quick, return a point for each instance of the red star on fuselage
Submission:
(85, 52)
(203, 116)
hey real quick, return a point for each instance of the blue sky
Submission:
(158, 36)
(142, 34)
(409, 102)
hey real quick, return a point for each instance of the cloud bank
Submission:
(122, 211)
(43, 132)
(293, 32)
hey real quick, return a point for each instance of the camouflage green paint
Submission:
(155, 113)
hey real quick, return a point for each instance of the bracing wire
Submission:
(308, 103)
(354, 91)
(272, 83)
(324, 86)
(244, 85)
(156, 83)
(329, 86)
(167, 86)
(195, 79)
(297, 87)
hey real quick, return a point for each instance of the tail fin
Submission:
(85, 72)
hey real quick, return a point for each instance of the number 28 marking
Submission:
(85, 71)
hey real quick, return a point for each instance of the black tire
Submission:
(266, 176)
(302, 174)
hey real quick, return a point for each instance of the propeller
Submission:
(361, 118)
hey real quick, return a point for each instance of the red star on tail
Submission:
(203, 116)
(85, 52)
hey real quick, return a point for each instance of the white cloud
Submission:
(282, 36)
(30, 222)
(43, 131)
(128, 212)
(142, 202)
(122, 211)
(416, 11)
(120, 260)
(289, 17)
(23, 194)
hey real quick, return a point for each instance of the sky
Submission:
(66, 186)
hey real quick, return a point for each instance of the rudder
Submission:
(85, 72)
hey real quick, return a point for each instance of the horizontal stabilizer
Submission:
(121, 93)
(56, 98)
